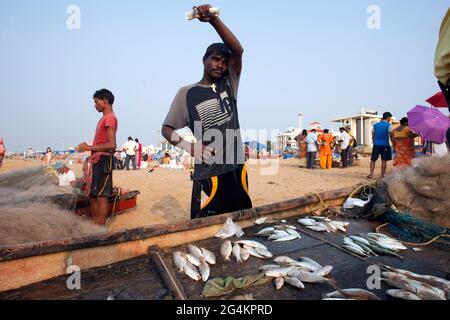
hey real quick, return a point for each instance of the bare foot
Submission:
(370, 177)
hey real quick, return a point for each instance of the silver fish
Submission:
(192, 272)
(264, 252)
(293, 232)
(284, 259)
(289, 237)
(295, 282)
(195, 251)
(226, 249)
(237, 253)
(309, 277)
(360, 240)
(245, 255)
(251, 243)
(421, 289)
(209, 256)
(324, 271)
(204, 270)
(179, 260)
(318, 228)
(266, 231)
(192, 259)
(307, 222)
(279, 282)
(280, 272)
(269, 266)
(402, 294)
(252, 251)
(313, 263)
(278, 235)
(355, 249)
(359, 294)
(320, 219)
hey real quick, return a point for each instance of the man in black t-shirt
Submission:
(209, 109)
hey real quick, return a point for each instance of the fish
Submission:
(204, 270)
(355, 249)
(402, 294)
(317, 228)
(324, 271)
(330, 226)
(179, 261)
(348, 241)
(295, 282)
(209, 256)
(279, 272)
(301, 266)
(251, 243)
(359, 240)
(284, 260)
(252, 251)
(195, 251)
(431, 280)
(288, 226)
(192, 259)
(421, 289)
(261, 221)
(319, 218)
(322, 224)
(226, 249)
(379, 249)
(353, 293)
(391, 246)
(264, 252)
(293, 232)
(237, 253)
(278, 235)
(245, 255)
(289, 237)
(192, 272)
(309, 277)
(269, 266)
(266, 231)
(307, 222)
(279, 282)
(310, 261)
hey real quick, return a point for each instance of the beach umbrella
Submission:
(438, 100)
(429, 123)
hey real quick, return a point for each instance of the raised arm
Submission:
(225, 33)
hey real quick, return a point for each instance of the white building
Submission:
(286, 139)
(361, 126)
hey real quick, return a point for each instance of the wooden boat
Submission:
(137, 264)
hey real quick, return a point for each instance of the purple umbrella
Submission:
(429, 123)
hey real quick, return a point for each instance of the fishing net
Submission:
(414, 203)
(33, 208)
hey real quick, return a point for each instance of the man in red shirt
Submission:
(98, 181)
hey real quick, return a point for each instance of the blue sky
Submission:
(314, 57)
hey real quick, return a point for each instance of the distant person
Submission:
(403, 143)
(48, 156)
(381, 147)
(66, 177)
(130, 149)
(302, 148)
(247, 151)
(139, 153)
(2, 151)
(345, 140)
(98, 176)
(326, 141)
(311, 141)
(442, 58)
(118, 161)
(351, 147)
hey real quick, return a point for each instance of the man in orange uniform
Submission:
(326, 141)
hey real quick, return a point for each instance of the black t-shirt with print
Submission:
(211, 114)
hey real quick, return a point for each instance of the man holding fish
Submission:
(209, 109)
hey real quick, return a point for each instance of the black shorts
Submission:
(221, 194)
(385, 152)
(102, 185)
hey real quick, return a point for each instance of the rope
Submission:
(377, 229)
(115, 200)
(362, 187)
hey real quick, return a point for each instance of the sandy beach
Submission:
(166, 195)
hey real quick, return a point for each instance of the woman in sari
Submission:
(2, 151)
(403, 139)
(303, 148)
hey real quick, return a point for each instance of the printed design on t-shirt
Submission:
(215, 112)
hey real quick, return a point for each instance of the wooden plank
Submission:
(47, 247)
